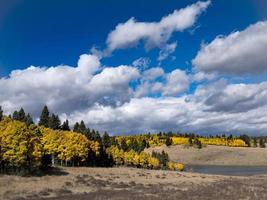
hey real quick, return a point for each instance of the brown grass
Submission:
(131, 183)
(216, 155)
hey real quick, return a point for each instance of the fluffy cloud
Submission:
(89, 64)
(202, 76)
(177, 82)
(232, 98)
(65, 88)
(154, 34)
(241, 52)
(240, 108)
(172, 113)
(170, 84)
(106, 100)
(153, 73)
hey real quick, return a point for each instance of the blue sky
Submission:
(47, 34)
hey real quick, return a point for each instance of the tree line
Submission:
(26, 147)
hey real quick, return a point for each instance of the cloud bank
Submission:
(122, 99)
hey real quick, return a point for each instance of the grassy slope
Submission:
(216, 155)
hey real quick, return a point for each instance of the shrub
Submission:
(175, 166)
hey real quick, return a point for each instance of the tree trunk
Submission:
(53, 160)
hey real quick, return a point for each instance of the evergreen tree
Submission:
(262, 143)
(255, 142)
(162, 157)
(113, 141)
(144, 144)
(44, 118)
(82, 128)
(65, 126)
(1, 113)
(92, 135)
(54, 122)
(190, 141)
(106, 140)
(124, 146)
(133, 145)
(168, 141)
(246, 139)
(21, 115)
(76, 127)
(15, 115)
(29, 120)
(88, 134)
(159, 134)
(198, 143)
(230, 137)
(97, 137)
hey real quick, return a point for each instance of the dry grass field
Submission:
(130, 183)
(216, 155)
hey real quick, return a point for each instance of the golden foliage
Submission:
(220, 141)
(175, 166)
(19, 145)
(132, 158)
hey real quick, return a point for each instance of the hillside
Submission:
(215, 155)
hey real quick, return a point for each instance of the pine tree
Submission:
(65, 126)
(82, 128)
(142, 146)
(29, 120)
(15, 115)
(262, 143)
(54, 122)
(124, 146)
(190, 141)
(76, 127)
(1, 113)
(98, 137)
(255, 142)
(106, 140)
(246, 139)
(168, 141)
(44, 118)
(21, 115)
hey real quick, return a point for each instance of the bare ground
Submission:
(130, 183)
(216, 155)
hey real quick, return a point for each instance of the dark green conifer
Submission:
(65, 126)
(44, 118)
(54, 122)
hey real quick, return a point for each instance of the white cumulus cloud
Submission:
(154, 34)
(241, 52)
(65, 88)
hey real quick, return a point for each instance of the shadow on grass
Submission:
(53, 171)
(50, 171)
